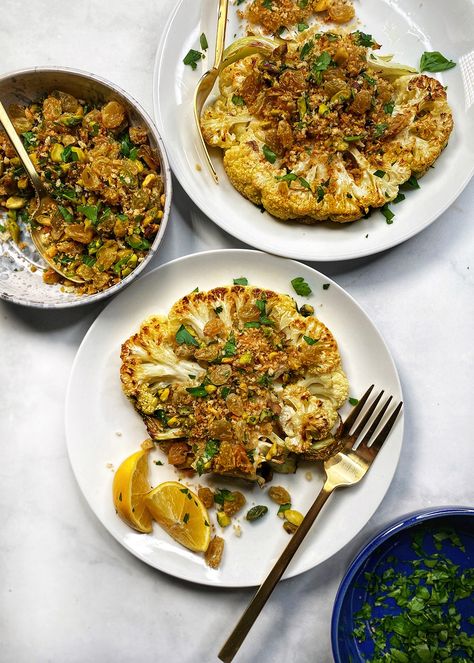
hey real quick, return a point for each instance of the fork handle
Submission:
(220, 34)
(255, 606)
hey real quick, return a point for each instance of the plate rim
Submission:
(234, 230)
(400, 524)
(189, 577)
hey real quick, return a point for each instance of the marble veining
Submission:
(68, 590)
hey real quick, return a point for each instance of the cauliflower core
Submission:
(235, 381)
(324, 129)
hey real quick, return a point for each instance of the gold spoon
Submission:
(44, 203)
(206, 83)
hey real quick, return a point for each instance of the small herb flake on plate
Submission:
(434, 61)
(203, 42)
(301, 287)
(192, 57)
(241, 281)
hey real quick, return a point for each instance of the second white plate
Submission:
(102, 427)
(405, 29)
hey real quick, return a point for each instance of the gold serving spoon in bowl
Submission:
(206, 83)
(45, 205)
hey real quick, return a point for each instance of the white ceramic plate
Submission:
(404, 28)
(103, 429)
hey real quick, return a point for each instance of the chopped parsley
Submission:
(301, 287)
(89, 211)
(192, 57)
(353, 401)
(230, 348)
(242, 280)
(210, 450)
(363, 39)
(302, 27)
(309, 340)
(326, 286)
(306, 49)
(183, 336)
(388, 107)
(223, 495)
(197, 392)
(379, 173)
(29, 139)
(237, 101)
(434, 61)
(185, 518)
(289, 177)
(380, 129)
(203, 42)
(268, 154)
(66, 214)
(411, 614)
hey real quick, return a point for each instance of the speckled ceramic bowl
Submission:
(18, 283)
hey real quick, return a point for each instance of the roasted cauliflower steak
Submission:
(236, 381)
(325, 129)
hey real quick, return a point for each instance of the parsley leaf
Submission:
(301, 287)
(242, 280)
(191, 58)
(268, 154)
(434, 61)
(363, 39)
(183, 336)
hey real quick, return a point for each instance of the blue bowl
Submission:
(392, 548)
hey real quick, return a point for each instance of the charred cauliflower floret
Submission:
(322, 128)
(235, 381)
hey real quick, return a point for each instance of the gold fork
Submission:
(206, 83)
(345, 468)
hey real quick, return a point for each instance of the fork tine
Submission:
(382, 436)
(367, 415)
(376, 421)
(347, 425)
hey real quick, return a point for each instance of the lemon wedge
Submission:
(181, 514)
(129, 488)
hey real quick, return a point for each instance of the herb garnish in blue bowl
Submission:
(408, 597)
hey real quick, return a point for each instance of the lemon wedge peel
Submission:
(181, 514)
(129, 488)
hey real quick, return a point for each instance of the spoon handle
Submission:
(220, 33)
(20, 150)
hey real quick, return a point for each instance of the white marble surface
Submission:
(68, 591)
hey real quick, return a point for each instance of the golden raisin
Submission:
(279, 495)
(213, 554)
(206, 496)
(235, 504)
